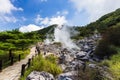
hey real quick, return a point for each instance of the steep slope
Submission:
(100, 25)
(43, 32)
(46, 30)
(105, 21)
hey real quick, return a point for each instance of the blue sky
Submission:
(31, 15)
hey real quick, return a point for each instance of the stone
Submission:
(80, 54)
(35, 75)
(92, 65)
(66, 76)
(63, 66)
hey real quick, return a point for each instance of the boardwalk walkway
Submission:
(13, 72)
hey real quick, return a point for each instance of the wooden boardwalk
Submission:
(13, 72)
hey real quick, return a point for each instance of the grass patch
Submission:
(44, 64)
(114, 64)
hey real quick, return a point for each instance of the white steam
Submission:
(63, 35)
(49, 39)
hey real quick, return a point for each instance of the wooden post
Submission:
(23, 69)
(29, 61)
(12, 60)
(35, 54)
(35, 50)
(32, 58)
(0, 65)
(10, 54)
(19, 57)
(44, 53)
(39, 52)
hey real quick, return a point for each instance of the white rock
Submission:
(40, 76)
(66, 76)
(92, 65)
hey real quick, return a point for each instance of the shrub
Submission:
(113, 65)
(89, 74)
(105, 63)
(52, 58)
(110, 40)
(104, 49)
(44, 64)
(49, 65)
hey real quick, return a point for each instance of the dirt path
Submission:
(13, 72)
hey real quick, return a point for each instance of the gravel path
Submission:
(13, 72)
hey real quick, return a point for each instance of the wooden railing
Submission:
(11, 59)
(24, 66)
(28, 64)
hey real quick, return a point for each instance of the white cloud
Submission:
(45, 21)
(9, 19)
(43, 0)
(20, 9)
(29, 28)
(95, 8)
(60, 20)
(13, 0)
(23, 18)
(38, 19)
(6, 8)
(65, 12)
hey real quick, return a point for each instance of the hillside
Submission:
(105, 21)
(100, 25)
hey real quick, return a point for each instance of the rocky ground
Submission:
(71, 60)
